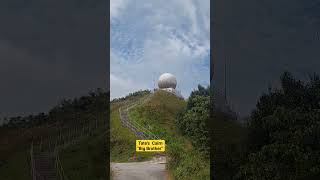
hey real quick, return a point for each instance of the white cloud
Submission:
(122, 86)
(152, 37)
(116, 7)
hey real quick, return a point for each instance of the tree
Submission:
(285, 133)
(193, 121)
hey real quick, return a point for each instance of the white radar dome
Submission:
(167, 80)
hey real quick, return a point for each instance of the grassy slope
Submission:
(86, 159)
(158, 115)
(15, 141)
(122, 140)
(80, 161)
(15, 152)
(17, 167)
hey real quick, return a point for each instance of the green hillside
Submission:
(159, 116)
(122, 140)
(18, 134)
(87, 158)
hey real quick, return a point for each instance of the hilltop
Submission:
(158, 115)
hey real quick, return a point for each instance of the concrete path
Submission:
(148, 170)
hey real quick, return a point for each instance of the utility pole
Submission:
(225, 80)
(154, 83)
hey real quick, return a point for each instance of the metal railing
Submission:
(32, 163)
(59, 169)
(134, 126)
(55, 143)
(34, 174)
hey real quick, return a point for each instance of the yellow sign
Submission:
(150, 145)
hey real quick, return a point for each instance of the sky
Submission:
(46, 56)
(50, 50)
(148, 38)
(260, 40)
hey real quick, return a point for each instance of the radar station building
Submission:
(168, 82)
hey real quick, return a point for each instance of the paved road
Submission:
(147, 170)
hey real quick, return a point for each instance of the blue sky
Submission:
(149, 38)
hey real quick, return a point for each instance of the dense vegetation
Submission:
(17, 134)
(228, 143)
(67, 110)
(281, 140)
(284, 141)
(193, 120)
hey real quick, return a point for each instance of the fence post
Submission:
(40, 143)
(60, 137)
